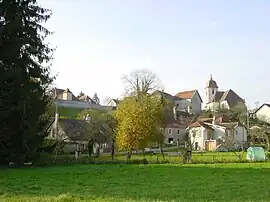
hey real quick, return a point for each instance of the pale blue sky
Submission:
(182, 41)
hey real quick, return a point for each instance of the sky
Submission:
(181, 41)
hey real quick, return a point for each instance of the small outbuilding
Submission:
(256, 154)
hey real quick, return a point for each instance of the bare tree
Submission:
(141, 81)
(261, 133)
(237, 147)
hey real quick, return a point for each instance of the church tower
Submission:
(210, 89)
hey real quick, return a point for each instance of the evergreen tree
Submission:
(24, 79)
(96, 98)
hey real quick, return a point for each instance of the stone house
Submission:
(76, 134)
(175, 133)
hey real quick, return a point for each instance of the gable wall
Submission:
(263, 114)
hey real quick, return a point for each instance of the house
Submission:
(75, 134)
(66, 99)
(63, 94)
(180, 104)
(86, 98)
(209, 136)
(175, 133)
(193, 100)
(215, 99)
(114, 103)
(263, 113)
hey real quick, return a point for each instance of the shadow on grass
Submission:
(218, 182)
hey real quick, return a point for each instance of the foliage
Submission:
(260, 134)
(24, 79)
(141, 81)
(237, 113)
(101, 126)
(138, 120)
(97, 127)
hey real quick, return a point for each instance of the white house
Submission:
(263, 113)
(208, 136)
(214, 99)
(192, 100)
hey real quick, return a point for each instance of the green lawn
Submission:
(216, 182)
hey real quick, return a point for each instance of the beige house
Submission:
(206, 135)
(215, 99)
(263, 113)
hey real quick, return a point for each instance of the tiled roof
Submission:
(175, 124)
(166, 95)
(79, 130)
(199, 124)
(76, 130)
(228, 125)
(216, 97)
(230, 96)
(186, 94)
(86, 98)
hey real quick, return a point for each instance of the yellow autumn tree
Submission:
(138, 121)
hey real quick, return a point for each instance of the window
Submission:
(177, 105)
(170, 131)
(236, 132)
(178, 131)
(213, 91)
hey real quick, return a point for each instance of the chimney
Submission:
(174, 113)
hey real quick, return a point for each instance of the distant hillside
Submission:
(71, 109)
(67, 112)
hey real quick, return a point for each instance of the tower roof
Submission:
(211, 83)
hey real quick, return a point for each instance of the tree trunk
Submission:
(161, 150)
(129, 153)
(113, 150)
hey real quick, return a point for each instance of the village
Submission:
(134, 101)
(195, 114)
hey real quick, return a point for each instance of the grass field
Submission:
(216, 182)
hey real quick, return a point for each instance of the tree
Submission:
(260, 134)
(96, 99)
(24, 79)
(101, 128)
(138, 122)
(80, 94)
(141, 81)
(238, 113)
(165, 116)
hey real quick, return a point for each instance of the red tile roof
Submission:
(186, 94)
(175, 124)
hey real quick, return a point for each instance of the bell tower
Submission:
(210, 89)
